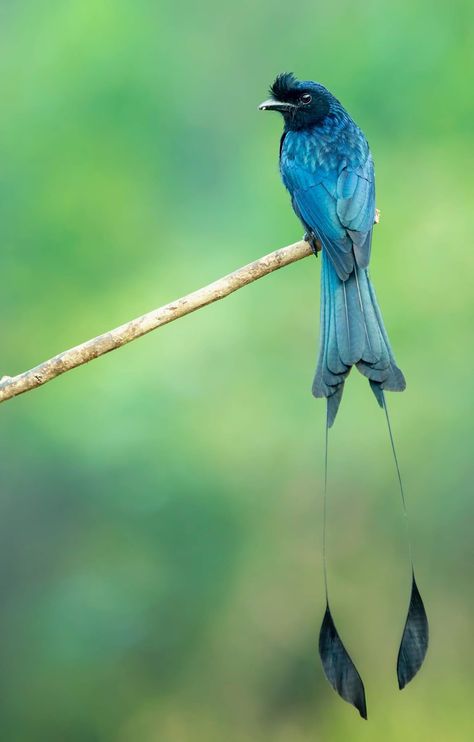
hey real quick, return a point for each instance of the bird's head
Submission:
(303, 104)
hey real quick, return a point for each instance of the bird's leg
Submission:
(312, 242)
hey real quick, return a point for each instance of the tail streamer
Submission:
(338, 666)
(337, 663)
(415, 636)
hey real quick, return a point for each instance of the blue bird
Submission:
(327, 167)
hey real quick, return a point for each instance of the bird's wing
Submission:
(339, 208)
(355, 193)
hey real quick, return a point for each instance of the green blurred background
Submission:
(160, 509)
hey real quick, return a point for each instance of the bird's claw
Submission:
(312, 242)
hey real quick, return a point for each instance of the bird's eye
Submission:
(305, 99)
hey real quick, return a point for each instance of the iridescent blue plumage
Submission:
(326, 165)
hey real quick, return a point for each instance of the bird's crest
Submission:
(284, 86)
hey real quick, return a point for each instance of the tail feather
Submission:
(348, 321)
(330, 375)
(378, 392)
(395, 381)
(334, 362)
(352, 333)
(374, 351)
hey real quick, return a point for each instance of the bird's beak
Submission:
(275, 105)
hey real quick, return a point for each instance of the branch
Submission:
(136, 328)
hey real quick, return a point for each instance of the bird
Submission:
(327, 167)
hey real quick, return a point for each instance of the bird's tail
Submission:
(352, 333)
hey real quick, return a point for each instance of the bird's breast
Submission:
(323, 149)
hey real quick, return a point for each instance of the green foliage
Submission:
(160, 509)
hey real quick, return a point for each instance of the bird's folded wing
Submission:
(355, 193)
(340, 209)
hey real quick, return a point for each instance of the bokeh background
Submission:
(160, 509)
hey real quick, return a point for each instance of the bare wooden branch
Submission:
(136, 328)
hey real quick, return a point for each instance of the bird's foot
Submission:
(312, 242)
